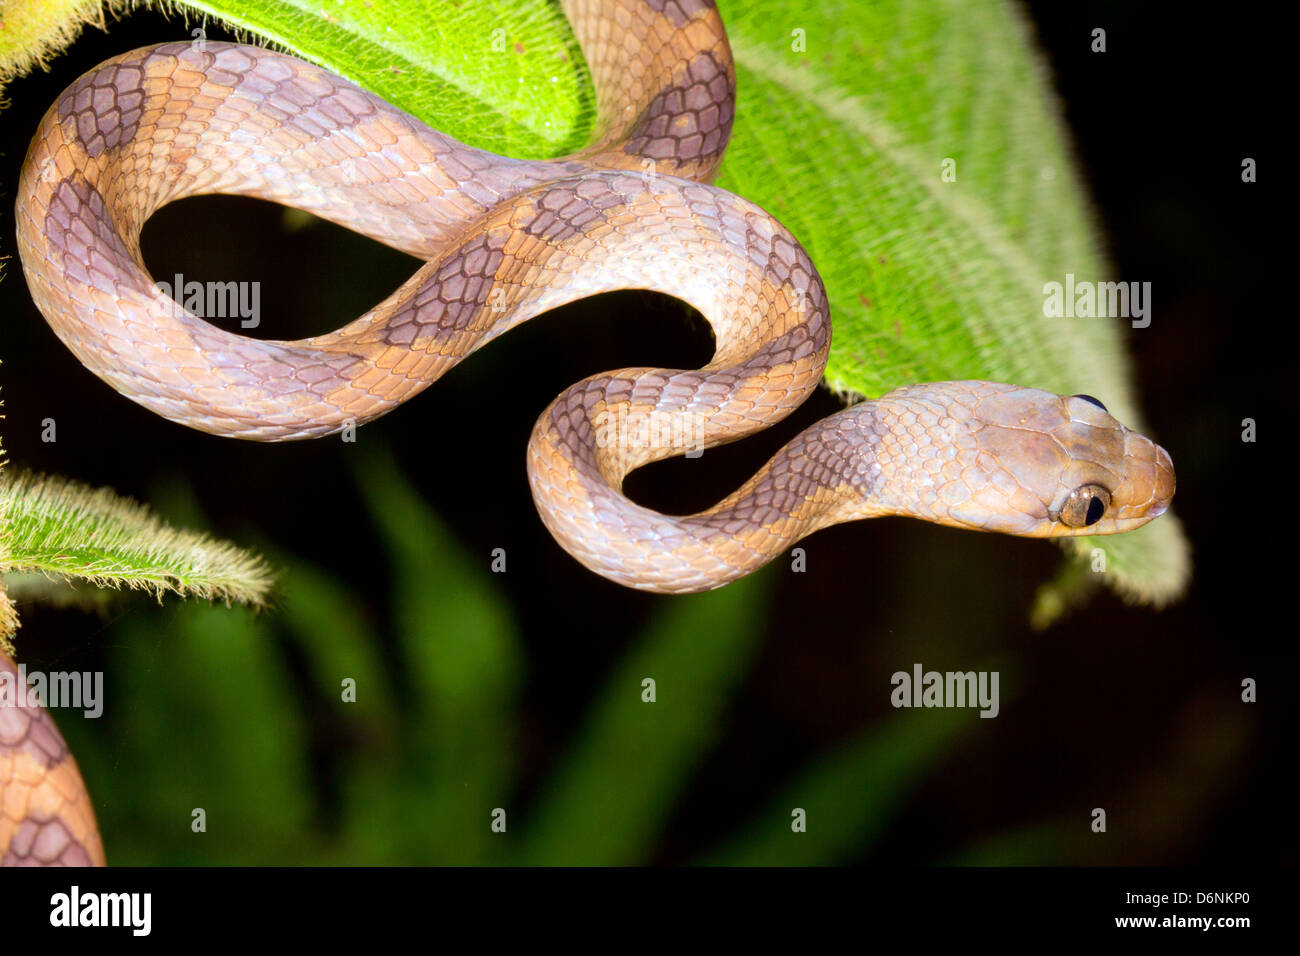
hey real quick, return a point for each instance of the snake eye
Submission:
(1092, 401)
(1086, 506)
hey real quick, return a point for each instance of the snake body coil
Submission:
(505, 240)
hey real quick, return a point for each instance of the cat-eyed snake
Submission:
(506, 240)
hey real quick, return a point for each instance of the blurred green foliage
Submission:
(203, 713)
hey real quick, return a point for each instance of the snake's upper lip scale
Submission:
(1167, 483)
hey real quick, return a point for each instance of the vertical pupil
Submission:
(1095, 510)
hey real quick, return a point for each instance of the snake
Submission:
(504, 240)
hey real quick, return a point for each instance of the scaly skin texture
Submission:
(505, 240)
(46, 818)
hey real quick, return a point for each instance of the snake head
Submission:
(1024, 461)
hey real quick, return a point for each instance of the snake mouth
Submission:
(1107, 526)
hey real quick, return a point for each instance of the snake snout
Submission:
(1151, 482)
(1166, 483)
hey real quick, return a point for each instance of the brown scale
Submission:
(46, 817)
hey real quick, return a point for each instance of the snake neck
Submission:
(916, 452)
(826, 475)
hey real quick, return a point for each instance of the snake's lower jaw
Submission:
(1105, 527)
(1047, 528)
(974, 517)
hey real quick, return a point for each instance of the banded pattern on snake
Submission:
(506, 240)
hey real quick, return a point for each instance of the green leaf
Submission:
(67, 530)
(609, 800)
(501, 75)
(55, 592)
(931, 280)
(31, 31)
